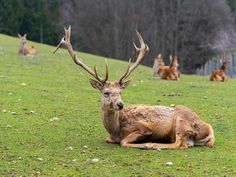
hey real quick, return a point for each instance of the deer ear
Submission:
(95, 84)
(125, 84)
(171, 58)
(25, 35)
(19, 35)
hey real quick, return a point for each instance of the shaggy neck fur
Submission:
(111, 121)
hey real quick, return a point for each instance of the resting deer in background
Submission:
(171, 73)
(159, 66)
(142, 126)
(24, 49)
(220, 74)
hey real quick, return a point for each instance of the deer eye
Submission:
(106, 94)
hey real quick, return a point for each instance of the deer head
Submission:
(159, 59)
(23, 39)
(224, 64)
(110, 90)
(174, 61)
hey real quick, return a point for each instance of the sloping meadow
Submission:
(50, 121)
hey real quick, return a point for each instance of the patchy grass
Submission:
(34, 91)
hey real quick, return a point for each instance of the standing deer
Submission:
(159, 66)
(24, 49)
(171, 73)
(220, 74)
(142, 126)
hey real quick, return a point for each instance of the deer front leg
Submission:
(224, 78)
(135, 136)
(175, 145)
(110, 140)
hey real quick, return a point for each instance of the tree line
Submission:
(192, 30)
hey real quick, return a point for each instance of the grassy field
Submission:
(33, 92)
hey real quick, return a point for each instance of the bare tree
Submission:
(186, 28)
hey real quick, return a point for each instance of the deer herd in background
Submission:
(171, 72)
(166, 72)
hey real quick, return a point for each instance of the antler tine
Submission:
(141, 53)
(97, 77)
(106, 77)
(126, 72)
(137, 49)
(95, 71)
(66, 40)
(59, 45)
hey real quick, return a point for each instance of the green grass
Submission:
(56, 87)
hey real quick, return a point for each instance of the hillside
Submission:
(34, 91)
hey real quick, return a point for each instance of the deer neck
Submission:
(21, 48)
(223, 68)
(111, 121)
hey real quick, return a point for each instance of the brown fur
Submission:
(152, 127)
(220, 74)
(172, 73)
(24, 49)
(159, 66)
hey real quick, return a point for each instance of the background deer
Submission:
(159, 66)
(171, 73)
(142, 126)
(220, 74)
(24, 49)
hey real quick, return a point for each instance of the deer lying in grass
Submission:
(143, 126)
(171, 73)
(24, 49)
(220, 74)
(159, 66)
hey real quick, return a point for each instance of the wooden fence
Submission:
(214, 63)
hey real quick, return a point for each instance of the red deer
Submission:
(24, 49)
(142, 126)
(172, 73)
(220, 74)
(159, 66)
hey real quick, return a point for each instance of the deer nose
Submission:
(120, 105)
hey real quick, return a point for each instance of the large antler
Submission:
(66, 41)
(141, 53)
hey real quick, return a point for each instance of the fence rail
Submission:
(214, 63)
